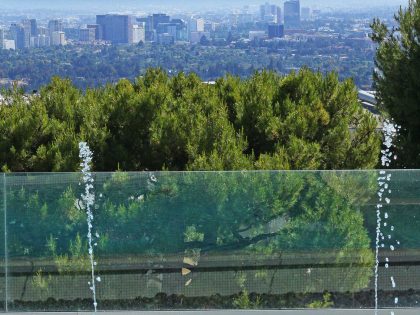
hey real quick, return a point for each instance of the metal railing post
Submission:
(6, 260)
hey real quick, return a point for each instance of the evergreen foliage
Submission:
(301, 121)
(396, 78)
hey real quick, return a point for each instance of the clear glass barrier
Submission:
(233, 240)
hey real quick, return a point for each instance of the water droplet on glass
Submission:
(393, 282)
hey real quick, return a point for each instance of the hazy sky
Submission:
(138, 4)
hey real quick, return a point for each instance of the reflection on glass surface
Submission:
(207, 240)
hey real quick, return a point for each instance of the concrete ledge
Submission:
(411, 311)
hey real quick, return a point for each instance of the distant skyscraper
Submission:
(139, 33)
(275, 30)
(43, 41)
(278, 14)
(148, 25)
(264, 9)
(116, 28)
(18, 34)
(292, 14)
(43, 31)
(55, 26)
(26, 24)
(58, 39)
(40, 41)
(34, 27)
(196, 25)
(159, 18)
(1, 38)
(98, 30)
(270, 13)
(181, 29)
(87, 34)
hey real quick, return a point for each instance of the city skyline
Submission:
(278, 35)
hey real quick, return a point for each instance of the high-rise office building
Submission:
(98, 30)
(44, 40)
(196, 25)
(275, 30)
(139, 33)
(40, 41)
(181, 29)
(27, 28)
(55, 26)
(158, 24)
(43, 31)
(17, 32)
(87, 34)
(270, 13)
(159, 19)
(278, 14)
(116, 28)
(58, 39)
(263, 9)
(34, 27)
(196, 30)
(148, 27)
(292, 14)
(2, 38)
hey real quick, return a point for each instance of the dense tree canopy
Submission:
(396, 78)
(301, 121)
(92, 66)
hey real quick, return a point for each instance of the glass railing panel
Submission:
(399, 253)
(42, 237)
(204, 240)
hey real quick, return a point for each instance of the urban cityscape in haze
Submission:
(280, 36)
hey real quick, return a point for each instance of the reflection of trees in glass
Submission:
(232, 214)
